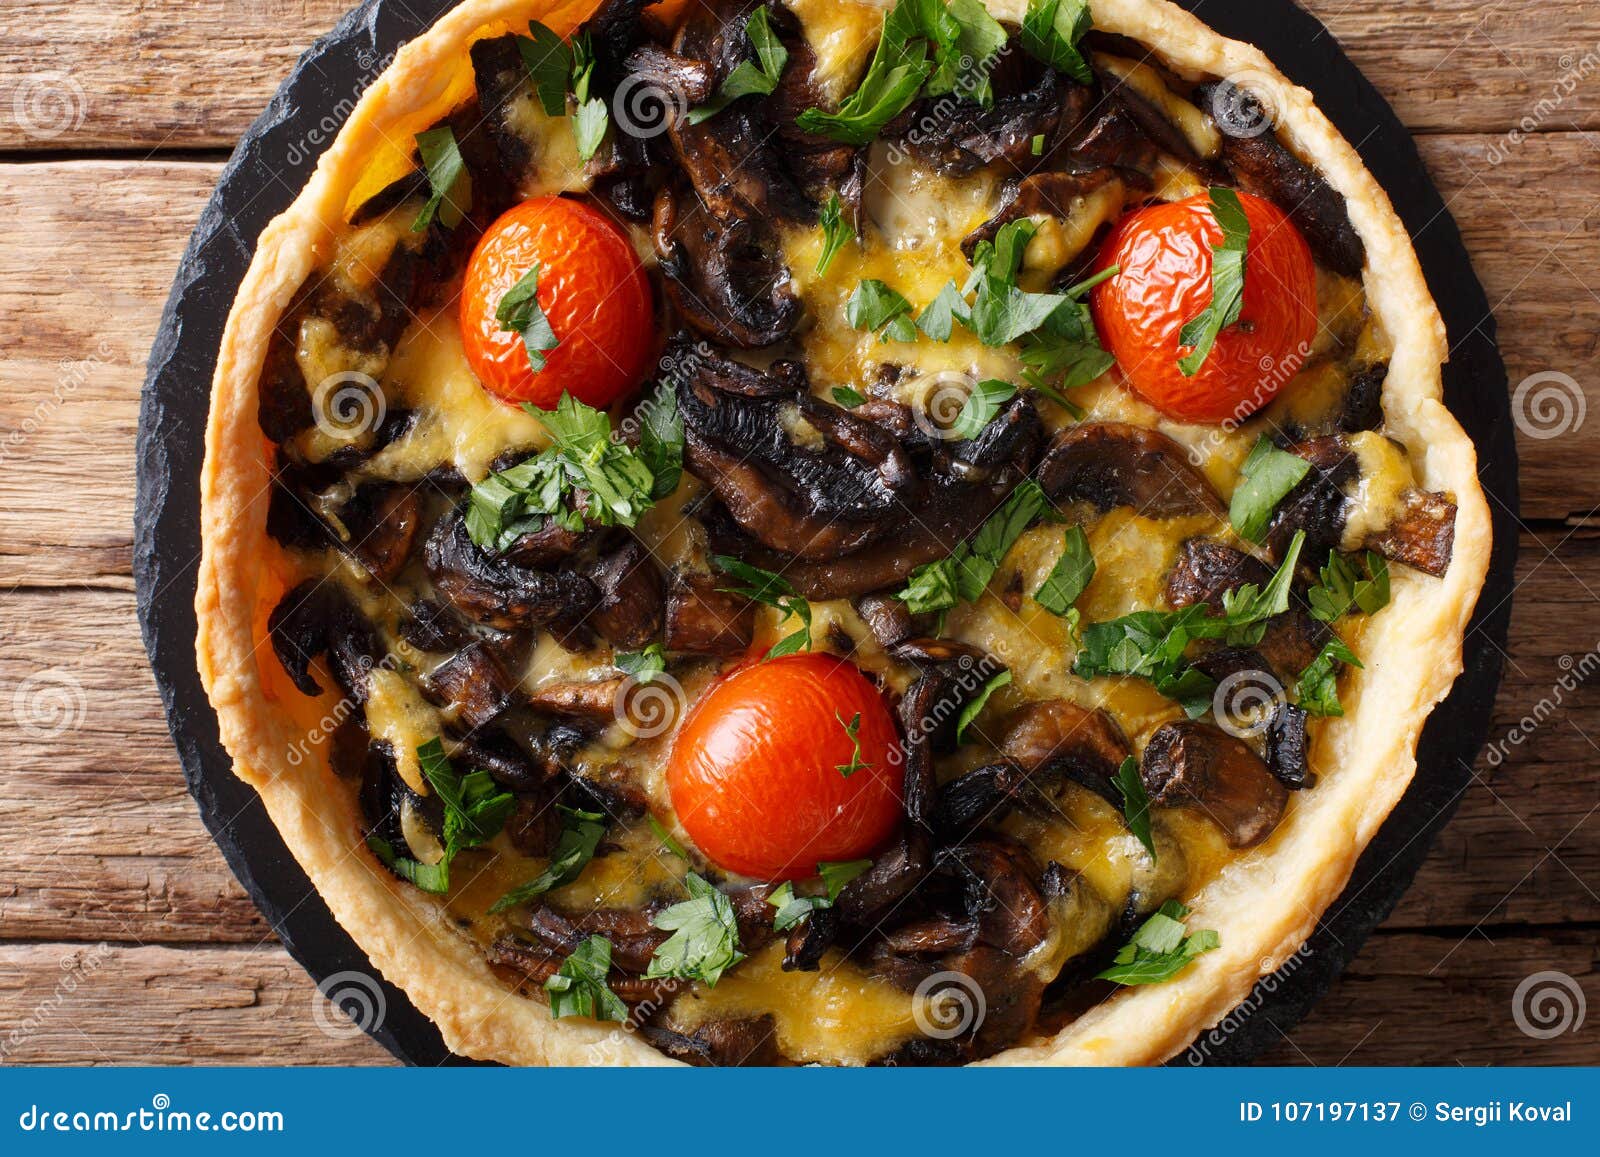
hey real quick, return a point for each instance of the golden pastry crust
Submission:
(1264, 905)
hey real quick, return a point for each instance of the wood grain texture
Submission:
(129, 75)
(105, 859)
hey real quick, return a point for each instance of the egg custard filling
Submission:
(827, 524)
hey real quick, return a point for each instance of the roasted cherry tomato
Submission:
(1165, 255)
(591, 288)
(755, 772)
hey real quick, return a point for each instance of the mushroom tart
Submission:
(813, 531)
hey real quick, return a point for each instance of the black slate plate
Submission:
(271, 164)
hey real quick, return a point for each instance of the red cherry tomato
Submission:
(1165, 255)
(591, 287)
(755, 776)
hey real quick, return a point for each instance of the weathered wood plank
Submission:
(1442, 1000)
(102, 1004)
(143, 75)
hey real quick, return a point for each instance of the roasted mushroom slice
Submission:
(800, 475)
(725, 278)
(960, 136)
(318, 618)
(1114, 464)
(723, 1043)
(1058, 737)
(1208, 569)
(1288, 746)
(1195, 765)
(999, 891)
(599, 700)
(472, 686)
(809, 939)
(382, 525)
(703, 619)
(1422, 533)
(494, 591)
(975, 798)
(1263, 165)
(631, 606)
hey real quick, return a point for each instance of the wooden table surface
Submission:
(123, 937)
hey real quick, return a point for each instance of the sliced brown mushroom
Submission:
(1000, 893)
(631, 606)
(886, 617)
(1288, 746)
(318, 618)
(494, 591)
(1058, 737)
(932, 937)
(1208, 569)
(809, 939)
(1263, 165)
(1194, 765)
(1114, 464)
(632, 932)
(594, 699)
(472, 686)
(703, 619)
(959, 136)
(1422, 533)
(800, 475)
(382, 523)
(722, 1043)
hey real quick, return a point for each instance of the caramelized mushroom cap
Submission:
(1195, 765)
(1115, 464)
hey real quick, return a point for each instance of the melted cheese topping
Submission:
(843, 34)
(398, 715)
(1385, 475)
(1196, 127)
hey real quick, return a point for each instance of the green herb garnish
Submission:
(853, 731)
(449, 180)
(519, 312)
(793, 908)
(835, 232)
(1317, 690)
(1227, 281)
(1135, 803)
(1343, 588)
(1051, 31)
(705, 935)
(1265, 478)
(768, 589)
(1068, 578)
(965, 574)
(876, 307)
(975, 706)
(579, 986)
(580, 835)
(982, 404)
(749, 78)
(1159, 950)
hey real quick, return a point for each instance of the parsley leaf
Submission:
(762, 586)
(668, 840)
(758, 78)
(1068, 578)
(793, 908)
(661, 441)
(641, 666)
(614, 475)
(474, 806)
(975, 707)
(1227, 281)
(1265, 478)
(845, 396)
(590, 120)
(1159, 950)
(1317, 689)
(434, 878)
(1135, 803)
(876, 307)
(853, 730)
(835, 231)
(448, 179)
(982, 404)
(1051, 31)
(965, 574)
(581, 832)
(579, 986)
(939, 316)
(705, 935)
(519, 312)
(549, 63)
(966, 39)
(1342, 588)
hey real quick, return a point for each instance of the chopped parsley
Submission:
(579, 986)
(939, 316)
(982, 404)
(1160, 950)
(749, 78)
(449, 181)
(835, 231)
(475, 809)
(876, 307)
(794, 908)
(771, 590)
(1265, 478)
(961, 37)
(1152, 644)
(590, 120)
(1317, 690)
(668, 840)
(580, 835)
(705, 935)
(845, 396)
(1051, 30)
(548, 59)
(1135, 803)
(641, 666)
(1068, 578)
(618, 483)
(519, 312)
(1343, 588)
(1227, 281)
(979, 701)
(853, 731)
(965, 573)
